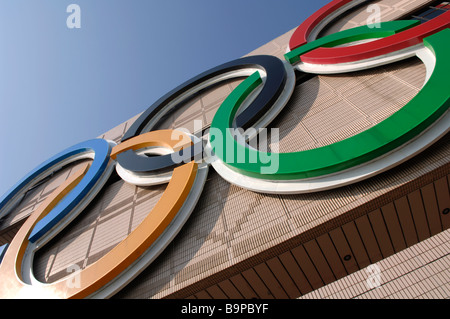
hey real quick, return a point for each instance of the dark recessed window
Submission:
(431, 12)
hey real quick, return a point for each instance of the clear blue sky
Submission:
(61, 86)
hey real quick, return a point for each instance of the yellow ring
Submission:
(100, 273)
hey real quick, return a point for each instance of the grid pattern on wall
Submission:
(112, 216)
(374, 238)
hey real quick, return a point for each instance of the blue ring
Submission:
(102, 151)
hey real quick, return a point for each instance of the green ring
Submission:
(423, 110)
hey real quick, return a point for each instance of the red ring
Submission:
(300, 36)
(379, 47)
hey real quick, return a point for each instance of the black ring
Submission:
(273, 87)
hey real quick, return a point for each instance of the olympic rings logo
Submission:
(267, 88)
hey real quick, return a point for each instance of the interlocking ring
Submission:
(129, 257)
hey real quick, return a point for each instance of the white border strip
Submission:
(360, 65)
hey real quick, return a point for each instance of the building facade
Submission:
(379, 236)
